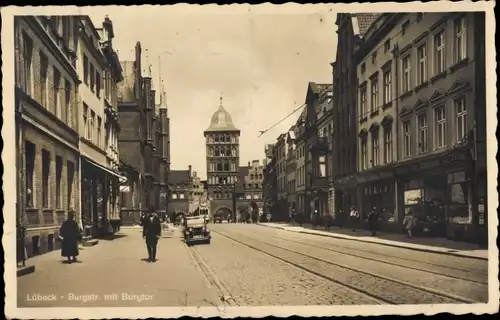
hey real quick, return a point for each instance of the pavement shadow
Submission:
(147, 260)
(113, 237)
(70, 262)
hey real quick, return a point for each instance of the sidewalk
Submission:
(435, 245)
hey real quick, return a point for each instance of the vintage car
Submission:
(196, 230)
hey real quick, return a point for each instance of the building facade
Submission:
(270, 189)
(300, 160)
(254, 180)
(163, 150)
(420, 139)
(100, 72)
(197, 194)
(46, 104)
(351, 28)
(223, 157)
(323, 167)
(138, 141)
(180, 186)
(281, 150)
(291, 170)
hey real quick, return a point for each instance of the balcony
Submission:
(321, 145)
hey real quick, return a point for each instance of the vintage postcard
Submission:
(249, 160)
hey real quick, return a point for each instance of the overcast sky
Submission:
(260, 59)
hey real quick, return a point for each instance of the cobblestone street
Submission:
(251, 265)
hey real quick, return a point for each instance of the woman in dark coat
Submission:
(70, 235)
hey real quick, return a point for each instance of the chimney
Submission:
(189, 168)
(249, 164)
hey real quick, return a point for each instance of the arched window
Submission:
(226, 165)
(233, 151)
(233, 166)
(217, 153)
(219, 166)
(174, 195)
(211, 151)
(216, 137)
(228, 151)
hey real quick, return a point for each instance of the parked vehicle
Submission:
(196, 230)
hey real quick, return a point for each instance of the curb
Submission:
(22, 271)
(456, 254)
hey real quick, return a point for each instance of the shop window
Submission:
(30, 151)
(174, 196)
(458, 209)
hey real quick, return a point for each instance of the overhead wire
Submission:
(396, 35)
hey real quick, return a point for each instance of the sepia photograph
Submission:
(250, 160)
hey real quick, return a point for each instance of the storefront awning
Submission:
(95, 164)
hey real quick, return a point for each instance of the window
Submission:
(97, 84)
(405, 27)
(226, 165)
(92, 77)
(45, 178)
(375, 150)
(440, 118)
(85, 69)
(387, 45)
(92, 126)
(406, 73)
(387, 145)
(216, 138)
(322, 166)
(422, 64)
(407, 138)
(44, 65)
(374, 57)
(461, 39)
(67, 102)
(439, 53)
(422, 133)
(86, 125)
(55, 93)
(363, 68)
(363, 107)
(461, 114)
(174, 196)
(28, 62)
(181, 196)
(99, 139)
(59, 168)
(219, 166)
(30, 151)
(374, 92)
(364, 154)
(71, 178)
(387, 86)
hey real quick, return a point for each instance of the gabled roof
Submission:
(361, 22)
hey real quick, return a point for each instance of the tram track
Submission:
(344, 251)
(383, 288)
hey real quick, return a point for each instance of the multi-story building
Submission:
(163, 150)
(291, 171)
(46, 104)
(323, 170)
(316, 184)
(100, 72)
(254, 179)
(281, 149)
(112, 75)
(197, 195)
(270, 190)
(223, 156)
(420, 139)
(137, 139)
(351, 28)
(300, 162)
(376, 113)
(180, 186)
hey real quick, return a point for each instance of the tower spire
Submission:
(160, 83)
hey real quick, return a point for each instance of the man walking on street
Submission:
(151, 232)
(372, 220)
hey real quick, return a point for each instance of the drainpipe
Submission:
(80, 191)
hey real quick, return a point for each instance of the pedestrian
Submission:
(69, 233)
(409, 223)
(354, 217)
(151, 232)
(372, 220)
